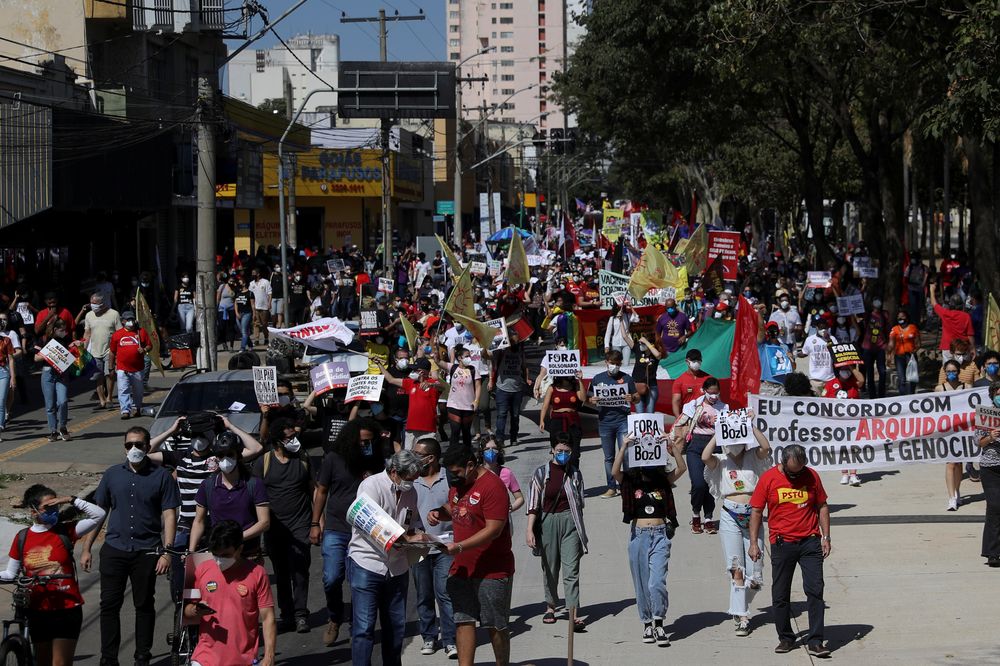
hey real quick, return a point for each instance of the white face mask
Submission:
(135, 455)
(284, 400)
(414, 376)
(293, 445)
(960, 358)
(694, 365)
(465, 360)
(224, 562)
(785, 305)
(402, 363)
(199, 444)
(227, 465)
(404, 486)
(711, 398)
(95, 306)
(612, 369)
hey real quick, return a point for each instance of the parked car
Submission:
(229, 393)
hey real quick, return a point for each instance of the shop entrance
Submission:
(309, 227)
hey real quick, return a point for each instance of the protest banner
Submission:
(502, 340)
(727, 245)
(479, 267)
(374, 524)
(733, 427)
(323, 333)
(334, 266)
(845, 355)
(57, 356)
(610, 395)
(536, 260)
(365, 387)
(861, 262)
(369, 323)
(647, 449)
(386, 286)
(819, 279)
(868, 273)
(27, 316)
(867, 434)
(496, 266)
(612, 287)
(612, 231)
(265, 385)
(851, 305)
(328, 376)
(565, 363)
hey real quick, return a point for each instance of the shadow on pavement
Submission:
(551, 661)
(834, 508)
(686, 626)
(839, 635)
(877, 476)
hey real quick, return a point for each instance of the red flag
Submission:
(744, 359)
(693, 217)
(569, 233)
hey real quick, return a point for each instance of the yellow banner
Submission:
(654, 271)
(463, 297)
(144, 317)
(991, 330)
(409, 332)
(696, 250)
(481, 332)
(517, 266)
(453, 263)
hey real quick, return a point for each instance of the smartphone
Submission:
(205, 608)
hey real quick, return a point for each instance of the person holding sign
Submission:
(55, 389)
(989, 470)
(618, 334)
(846, 385)
(464, 395)
(423, 393)
(613, 393)
(696, 426)
(647, 357)
(560, 413)
(648, 507)
(732, 477)
(952, 471)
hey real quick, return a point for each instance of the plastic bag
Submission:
(912, 370)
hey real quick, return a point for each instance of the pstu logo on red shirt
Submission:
(474, 498)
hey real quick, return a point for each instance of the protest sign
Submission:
(334, 265)
(851, 305)
(868, 273)
(610, 395)
(666, 294)
(27, 316)
(727, 245)
(867, 434)
(845, 355)
(369, 322)
(323, 333)
(861, 262)
(612, 286)
(265, 385)
(386, 286)
(819, 279)
(329, 376)
(57, 356)
(374, 524)
(496, 266)
(612, 231)
(733, 427)
(988, 417)
(536, 260)
(647, 449)
(365, 387)
(563, 363)
(478, 267)
(502, 340)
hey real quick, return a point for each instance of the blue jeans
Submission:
(701, 498)
(185, 312)
(129, 391)
(649, 559)
(905, 387)
(374, 597)
(612, 436)
(335, 572)
(4, 389)
(246, 325)
(508, 403)
(430, 579)
(647, 403)
(56, 396)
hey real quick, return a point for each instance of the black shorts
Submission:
(46, 626)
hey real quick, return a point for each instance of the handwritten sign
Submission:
(868, 273)
(820, 279)
(647, 449)
(563, 363)
(988, 417)
(328, 376)
(265, 385)
(733, 427)
(477, 268)
(365, 387)
(373, 523)
(610, 395)
(851, 305)
(57, 356)
(495, 267)
(845, 355)
(502, 340)
(386, 286)
(27, 316)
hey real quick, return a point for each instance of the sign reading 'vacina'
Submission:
(340, 165)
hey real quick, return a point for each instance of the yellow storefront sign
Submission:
(330, 173)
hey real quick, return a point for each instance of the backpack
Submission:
(60, 531)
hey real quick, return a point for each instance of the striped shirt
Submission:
(191, 471)
(573, 487)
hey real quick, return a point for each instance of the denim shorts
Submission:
(486, 600)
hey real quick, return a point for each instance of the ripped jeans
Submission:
(735, 546)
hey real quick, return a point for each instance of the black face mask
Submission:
(792, 476)
(454, 480)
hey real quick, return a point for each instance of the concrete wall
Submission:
(49, 25)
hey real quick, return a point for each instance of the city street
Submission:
(905, 583)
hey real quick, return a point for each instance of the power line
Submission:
(299, 60)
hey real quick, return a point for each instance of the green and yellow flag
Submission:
(654, 271)
(409, 332)
(481, 332)
(463, 297)
(144, 317)
(456, 266)
(991, 329)
(517, 263)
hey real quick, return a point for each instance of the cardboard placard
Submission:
(868, 273)
(27, 316)
(727, 245)
(988, 417)
(611, 395)
(861, 262)
(563, 363)
(334, 265)
(369, 323)
(536, 260)
(502, 340)
(819, 279)
(365, 387)
(648, 448)
(375, 525)
(477, 268)
(495, 267)
(851, 305)
(845, 355)
(328, 376)
(57, 356)
(386, 286)
(613, 289)
(265, 385)
(733, 427)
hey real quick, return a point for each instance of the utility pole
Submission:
(293, 238)
(208, 82)
(383, 39)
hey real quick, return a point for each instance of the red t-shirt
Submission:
(792, 506)
(63, 314)
(45, 555)
(486, 499)
(954, 324)
(688, 386)
(842, 388)
(127, 347)
(422, 414)
(229, 635)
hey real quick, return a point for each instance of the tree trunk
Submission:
(983, 161)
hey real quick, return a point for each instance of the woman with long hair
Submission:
(647, 360)
(952, 369)
(696, 426)
(560, 412)
(989, 470)
(618, 334)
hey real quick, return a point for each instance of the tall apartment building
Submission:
(255, 76)
(529, 38)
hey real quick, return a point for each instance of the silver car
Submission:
(229, 393)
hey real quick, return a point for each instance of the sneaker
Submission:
(609, 493)
(819, 650)
(855, 480)
(428, 648)
(301, 625)
(126, 416)
(53, 436)
(711, 527)
(661, 636)
(953, 504)
(451, 651)
(64, 435)
(742, 627)
(330, 633)
(647, 634)
(135, 413)
(784, 647)
(696, 525)
(845, 479)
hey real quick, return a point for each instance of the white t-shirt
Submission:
(787, 321)
(453, 337)
(728, 478)
(820, 360)
(261, 290)
(15, 339)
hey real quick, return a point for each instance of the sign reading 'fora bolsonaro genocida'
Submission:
(865, 434)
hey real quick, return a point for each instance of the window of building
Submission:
(260, 60)
(454, 2)
(507, 91)
(506, 5)
(541, 19)
(494, 20)
(506, 35)
(506, 63)
(453, 28)
(507, 106)
(541, 33)
(541, 48)
(454, 42)
(506, 49)
(453, 14)
(507, 77)
(541, 6)
(454, 56)
(542, 106)
(506, 20)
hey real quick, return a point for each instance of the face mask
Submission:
(224, 562)
(199, 443)
(367, 448)
(671, 311)
(414, 376)
(992, 368)
(284, 400)
(145, 284)
(562, 457)
(785, 305)
(824, 333)
(561, 347)
(49, 517)
(227, 464)
(960, 358)
(996, 400)
(293, 445)
(428, 349)
(711, 398)
(135, 455)
(952, 376)
(736, 449)
(465, 360)
(95, 306)
(841, 320)
(717, 315)
(404, 486)
(901, 322)
(490, 456)
(612, 369)
(402, 363)
(876, 304)
(459, 328)
(130, 324)
(844, 374)
(379, 339)
(184, 280)
(694, 365)
(298, 278)
(454, 480)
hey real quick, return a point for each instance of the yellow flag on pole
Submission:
(481, 332)
(456, 266)
(144, 316)
(696, 251)
(991, 330)
(654, 271)
(409, 332)
(517, 263)
(463, 296)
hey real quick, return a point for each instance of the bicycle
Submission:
(184, 636)
(15, 647)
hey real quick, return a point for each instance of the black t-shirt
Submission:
(288, 492)
(342, 488)
(644, 371)
(277, 286)
(297, 294)
(243, 299)
(332, 413)
(185, 296)
(395, 399)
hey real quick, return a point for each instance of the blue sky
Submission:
(408, 40)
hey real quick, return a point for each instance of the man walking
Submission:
(799, 523)
(98, 326)
(613, 392)
(509, 381)
(261, 290)
(128, 349)
(142, 500)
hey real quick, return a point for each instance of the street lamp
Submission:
(457, 195)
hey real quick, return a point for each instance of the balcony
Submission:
(178, 15)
